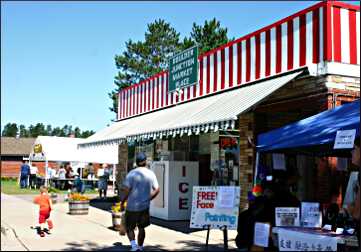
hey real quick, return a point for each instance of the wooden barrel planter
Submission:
(77, 207)
(54, 198)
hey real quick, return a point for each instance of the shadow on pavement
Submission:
(86, 245)
(179, 226)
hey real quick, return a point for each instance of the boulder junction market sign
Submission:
(183, 69)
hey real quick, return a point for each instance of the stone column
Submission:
(247, 156)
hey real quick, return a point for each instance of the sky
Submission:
(57, 58)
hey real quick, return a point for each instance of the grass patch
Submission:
(11, 186)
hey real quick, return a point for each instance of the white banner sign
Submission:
(345, 139)
(310, 214)
(216, 206)
(261, 234)
(287, 216)
(298, 241)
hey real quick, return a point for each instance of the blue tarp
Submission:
(317, 130)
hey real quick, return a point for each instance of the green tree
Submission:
(23, 131)
(49, 130)
(57, 131)
(209, 36)
(87, 133)
(77, 132)
(10, 130)
(143, 59)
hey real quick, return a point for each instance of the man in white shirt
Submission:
(32, 178)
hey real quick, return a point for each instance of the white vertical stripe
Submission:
(164, 90)
(132, 98)
(144, 92)
(284, 46)
(345, 36)
(358, 36)
(320, 34)
(146, 96)
(204, 75)
(309, 45)
(253, 58)
(199, 78)
(118, 114)
(211, 72)
(185, 90)
(244, 53)
(226, 67)
(159, 91)
(235, 64)
(263, 55)
(136, 103)
(296, 42)
(219, 69)
(175, 96)
(273, 51)
(191, 96)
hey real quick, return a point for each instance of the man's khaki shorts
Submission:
(139, 219)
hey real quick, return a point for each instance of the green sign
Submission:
(183, 69)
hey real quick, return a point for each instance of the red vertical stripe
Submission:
(258, 56)
(158, 88)
(166, 89)
(134, 100)
(239, 63)
(137, 100)
(327, 41)
(353, 38)
(337, 34)
(182, 95)
(268, 53)
(153, 98)
(303, 40)
(215, 57)
(195, 90)
(223, 68)
(248, 59)
(230, 68)
(278, 49)
(208, 74)
(131, 101)
(123, 103)
(290, 44)
(315, 35)
(162, 91)
(188, 93)
(201, 77)
(149, 95)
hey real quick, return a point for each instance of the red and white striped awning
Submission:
(203, 115)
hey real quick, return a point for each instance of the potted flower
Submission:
(53, 194)
(78, 204)
(118, 217)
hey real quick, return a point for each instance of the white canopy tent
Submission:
(65, 149)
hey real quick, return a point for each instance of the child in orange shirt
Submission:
(44, 201)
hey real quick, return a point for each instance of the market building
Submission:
(205, 134)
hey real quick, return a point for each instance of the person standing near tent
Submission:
(24, 174)
(140, 187)
(33, 173)
(103, 176)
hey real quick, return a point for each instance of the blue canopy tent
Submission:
(314, 135)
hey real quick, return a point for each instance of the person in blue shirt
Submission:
(24, 174)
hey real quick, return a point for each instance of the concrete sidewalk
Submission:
(89, 232)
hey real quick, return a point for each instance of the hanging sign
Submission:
(345, 139)
(215, 206)
(183, 69)
(287, 216)
(289, 240)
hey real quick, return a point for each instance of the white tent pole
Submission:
(114, 170)
(46, 172)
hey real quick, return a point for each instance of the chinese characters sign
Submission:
(216, 206)
(183, 69)
(298, 241)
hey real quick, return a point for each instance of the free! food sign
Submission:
(215, 206)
